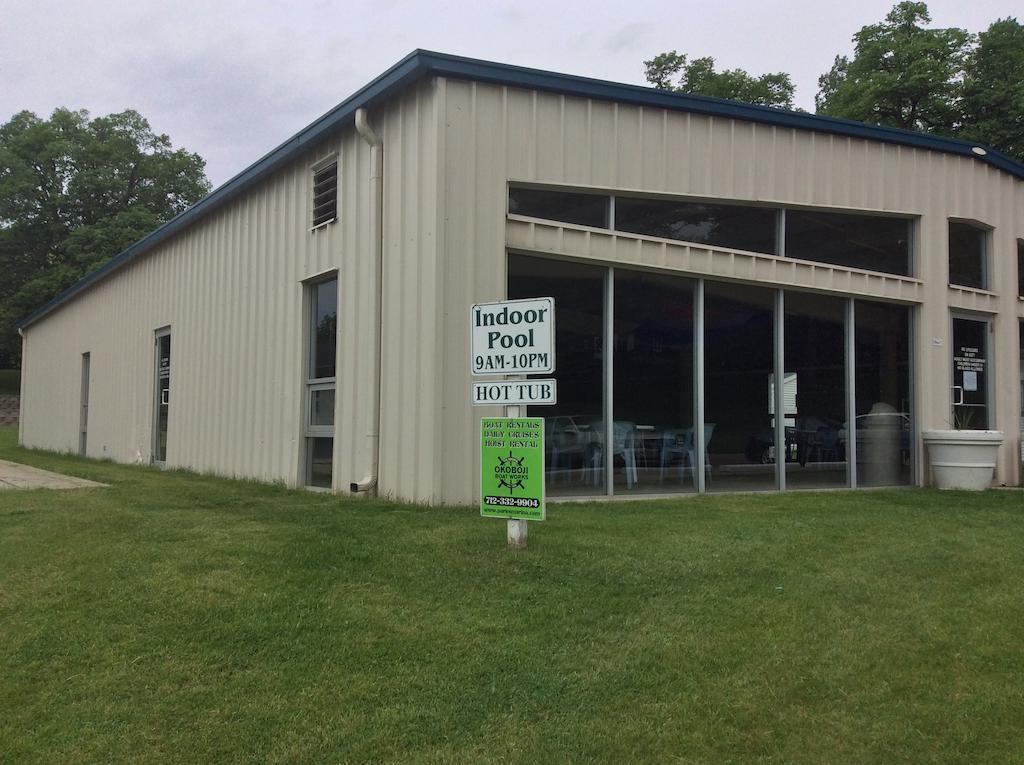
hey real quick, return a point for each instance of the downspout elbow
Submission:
(367, 483)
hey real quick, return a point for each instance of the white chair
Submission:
(623, 445)
(683, 445)
(674, 445)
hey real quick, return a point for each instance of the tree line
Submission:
(903, 73)
(75, 191)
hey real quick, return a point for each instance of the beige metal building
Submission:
(308, 322)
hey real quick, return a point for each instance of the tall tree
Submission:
(73, 193)
(993, 103)
(699, 76)
(902, 74)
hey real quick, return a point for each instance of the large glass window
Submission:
(564, 206)
(735, 226)
(654, 446)
(320, 382)
(871, 242)
(656, 440)
(815, 391)
(574, 427)
(1020, 332)
(882, 384)
(324, 332)
(967, 255)
(1020, 268)
(738, 368)
(162, 403)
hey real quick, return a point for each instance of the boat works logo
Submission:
(511, 472)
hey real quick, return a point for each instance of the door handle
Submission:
(958, 401)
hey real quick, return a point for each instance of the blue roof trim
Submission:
(421, 63)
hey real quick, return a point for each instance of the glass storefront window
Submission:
(574, 427)
(815, 391)
(655, 437)
(967, 255)
(738, 227)
(564, 206)
(653, 383)
(882, 384)
(739, 342)
(871, 242)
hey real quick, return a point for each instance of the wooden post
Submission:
(517, 531)
(517, 527)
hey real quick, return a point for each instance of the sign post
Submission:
(513, 337)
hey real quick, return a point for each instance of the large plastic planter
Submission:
(963, 459)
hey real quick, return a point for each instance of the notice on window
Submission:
(968, 360)
(512, 468)
(970, 381)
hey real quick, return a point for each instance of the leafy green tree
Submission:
(699, 76)
(73, 193)
(993, 102)
(902, 74)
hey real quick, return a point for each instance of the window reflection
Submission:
(654, 441)
(735, 226)
(574, 427)
(325, 328)
(738, 360)
(872, 242)
(564, 206)
(815, 362)
(882, 348)
(653, 384)
(967, 255)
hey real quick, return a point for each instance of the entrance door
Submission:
(970, 374)
(83, 419)
(163, 394)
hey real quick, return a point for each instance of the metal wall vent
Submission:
(325, 194)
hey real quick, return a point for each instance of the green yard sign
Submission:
(512, 467)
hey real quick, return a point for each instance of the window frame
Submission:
(985, 231)
(309, 432)
(612, 197)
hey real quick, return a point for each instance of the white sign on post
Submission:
(513, 337)
(509, 392)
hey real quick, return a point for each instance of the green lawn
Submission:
(10, 381)
(178, 617)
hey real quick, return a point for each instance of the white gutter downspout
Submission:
(369, 482)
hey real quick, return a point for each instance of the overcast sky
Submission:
(231, 80)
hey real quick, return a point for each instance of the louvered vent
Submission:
(325, 194)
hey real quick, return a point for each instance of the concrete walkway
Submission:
(17, 476)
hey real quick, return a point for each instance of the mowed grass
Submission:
(175, 617)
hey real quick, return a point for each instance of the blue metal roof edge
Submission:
(421, 62)
(405, 71)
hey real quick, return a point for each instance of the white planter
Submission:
(963, 459)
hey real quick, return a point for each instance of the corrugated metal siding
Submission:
(231, 290)
(230, 286)
(411, 407)
(496, 134)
